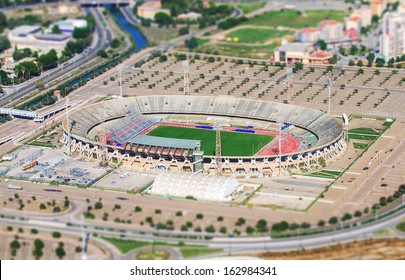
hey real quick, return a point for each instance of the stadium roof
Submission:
(165, 142)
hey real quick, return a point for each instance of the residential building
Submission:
(150, 8)
(189, 16)
(353, 22)
(308, 35)
(331, 30)
(377, 7)
(392, 40)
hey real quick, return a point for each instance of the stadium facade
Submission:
(128, 118)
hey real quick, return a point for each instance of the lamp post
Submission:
(329, 81)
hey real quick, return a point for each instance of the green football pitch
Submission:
(232, 143)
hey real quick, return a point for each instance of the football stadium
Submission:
(204, 134)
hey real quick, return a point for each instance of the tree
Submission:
(4, 79)
(3, 22)
(4, 43)
(250, 230)
(359, 63)
(322, 44)
(56, 29)
(98, 205)
(358, 214)
(80, 33)
(15, 244)
(38, 246)
(321, 223)
(26, 69)
(18, 55)
(184, 30)
(199, 216)
(192, 43)
(137, 209)
(223, 230)
(351, 63)
(115, 43)
(56, 234)
(179, 213)
(163, 19)
(353, 49)
(333, 220)
(48, 60)
(102, 53)
(42, 206)
(60, 252)
(370, 58)
(375, 19)
(261, 225)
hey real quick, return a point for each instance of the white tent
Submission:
(204, 187)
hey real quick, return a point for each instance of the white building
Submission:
(300, 52)
(67, 26)
(203, 187)
(331, 30)
(309, 35)
(392, 40)
(26, 36)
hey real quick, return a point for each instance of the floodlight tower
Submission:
(68, 126)
(329, 82)
(102, 138)
(186, 75)
(120, 77)
(218, 152)
(290, 83)
(280, 125)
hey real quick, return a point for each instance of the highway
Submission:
(101, 39)
(234, 245)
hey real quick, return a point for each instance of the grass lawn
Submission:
(295, 19)
(125, 245)
(193, 251)
(360, 145)
(250, 35)
(362, 136)
(187, 251)
(328, 174)
(250, 7)
(156, 35)
(401, 226)
(232, 143)
(41, 144)
(226, 49)
(364, 130)
(150, 255)
(388, 124)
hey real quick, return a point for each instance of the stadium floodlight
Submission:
(329, 82)
(120, 76)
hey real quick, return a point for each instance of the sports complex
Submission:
(182, 133)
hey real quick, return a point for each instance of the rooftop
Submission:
(25, 29)
(328, 22)
(165, 142)
(294, 47)
(52, 37)
(309, 30)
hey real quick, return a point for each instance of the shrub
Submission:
(56, 234)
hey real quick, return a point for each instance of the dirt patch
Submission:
(380, 249)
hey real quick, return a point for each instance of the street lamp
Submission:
(329, 82)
